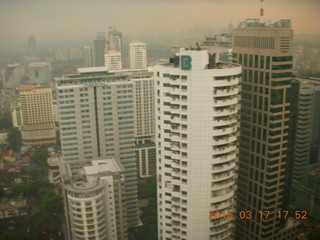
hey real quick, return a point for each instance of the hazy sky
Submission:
(65, 20)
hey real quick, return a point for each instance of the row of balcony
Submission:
(225, 139)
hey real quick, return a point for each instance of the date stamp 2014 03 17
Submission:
(257, 215)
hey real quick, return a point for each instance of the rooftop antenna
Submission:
(261, 14)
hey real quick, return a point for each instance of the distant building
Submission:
(40, 72)
(12, 75)
(75, 53)
(38, 126)
(99, 45)
(308, 192)
(88, 56)
(113, 60)
(138, 55)
(114, 40)
(307, 139)
(32, 48)
(222, 40)
(61, 54)
(95, 205)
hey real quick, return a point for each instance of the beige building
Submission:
(265, 149)
(138, 55)
(37, 115)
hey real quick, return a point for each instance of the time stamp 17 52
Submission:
(257, 215)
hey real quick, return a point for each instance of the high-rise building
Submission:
(138, 55)
(265, 52)
(88, 56)
(197, 100)
(307, 196)
(145, 125)
(114, 40)
(99, 45)
(97, 120)
(94, 199)
(40, 72)
(221, 40)
(38, 125)
(307, 139)
(32, 49)
(112, 60)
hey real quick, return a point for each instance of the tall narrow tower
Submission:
(99, 45)
(196, 129)
(32, 49)
(265, 52)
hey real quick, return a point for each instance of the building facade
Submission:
(40, 73)
(88, 56)
(16, 115)
(138, 55)
(97, 118)
(99, 45)
(265, 52)
(145, 125)
(38, 125)
(94, 200)
(307, 140)
(197, 101)
(112, 60)
(114, 40)
(307, 198)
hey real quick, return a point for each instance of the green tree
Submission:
(14, 139)
(38, 172)
(14, 235)
(40, 155)
(5, 122)
(315, 235)
(147, 188)
(18, 189)
(2, 191)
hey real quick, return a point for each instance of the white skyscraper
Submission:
(138, 55)
(96, 119)
(94, 202)
(197, 129)
(113, 60)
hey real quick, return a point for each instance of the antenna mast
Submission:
(261, 14)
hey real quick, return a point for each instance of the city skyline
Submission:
(53, 21)
(214, 142)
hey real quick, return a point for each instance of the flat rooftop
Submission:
(92, 70)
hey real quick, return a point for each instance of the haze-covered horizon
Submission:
(78, 21)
